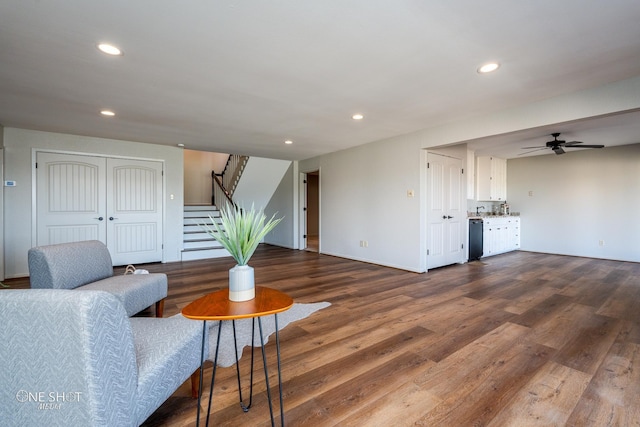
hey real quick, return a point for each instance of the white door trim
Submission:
(1, 212)
(302, 204)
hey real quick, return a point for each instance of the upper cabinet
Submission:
(471, 172)
(491, 179)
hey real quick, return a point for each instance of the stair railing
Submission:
(225, 183)
(220, 197)
(233, 171)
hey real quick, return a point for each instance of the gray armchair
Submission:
(87, 265)
(76, 359)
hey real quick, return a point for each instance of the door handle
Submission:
(99, 218)
(112, 218)
(449, 217)
(444, 217)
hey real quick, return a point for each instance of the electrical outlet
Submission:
(600, 242)
(410, 193)
(530, 193)
(364, 244)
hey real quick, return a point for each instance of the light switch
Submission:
(409, 193)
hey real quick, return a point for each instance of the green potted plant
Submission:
(240, 233)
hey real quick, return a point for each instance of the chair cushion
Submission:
(135, 291)
(167, 353)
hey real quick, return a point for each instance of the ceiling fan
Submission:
(557, 144)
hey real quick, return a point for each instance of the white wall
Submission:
(19, 150)
(579, 198)
(363, 189)
(197, 175)
(282, 205)
(364, 197)
(259, 181)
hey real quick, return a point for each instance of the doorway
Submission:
(310, 211)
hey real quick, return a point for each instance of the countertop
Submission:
(488, 215)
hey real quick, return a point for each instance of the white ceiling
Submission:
(243, 76)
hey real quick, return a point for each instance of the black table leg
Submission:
(244, 407)
(204, 331)
(266, 372)
(279, 371)
(213, 376)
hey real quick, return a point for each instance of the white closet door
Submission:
(134, 211)
(70, 198)
(446, 217)
(116, 201)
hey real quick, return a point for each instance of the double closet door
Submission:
(115, 200)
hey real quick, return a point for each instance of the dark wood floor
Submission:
(519, 339)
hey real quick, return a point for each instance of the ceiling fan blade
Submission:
(533, 151)
(570, 143)
(585, 146)
(558, 150)
(529, 148)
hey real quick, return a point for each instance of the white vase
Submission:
(241, 283)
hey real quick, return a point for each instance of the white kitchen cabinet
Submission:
(500, 235)
(471, 175)
(514, 234)
(491, 179)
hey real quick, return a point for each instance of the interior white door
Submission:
(445, 213)
(134, 211)
(70, 202)
(116, 201)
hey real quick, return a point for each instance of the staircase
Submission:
(197, 243)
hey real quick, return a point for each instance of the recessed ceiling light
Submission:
(288, 142)
(181, 145)
(110, 49)
(489, 67)
(357, 117)
(107, 113)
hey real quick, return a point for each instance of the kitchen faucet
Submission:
(478, 209)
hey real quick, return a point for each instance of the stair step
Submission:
(200, 208)
(202, 239)
(201, 214)
(197, 243)
(205, 253)
(195, 223)
(191, 231)
(201, 244)
(195, 234)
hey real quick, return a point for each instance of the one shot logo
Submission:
(48, 399)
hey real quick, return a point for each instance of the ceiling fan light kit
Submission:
(557, 145)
